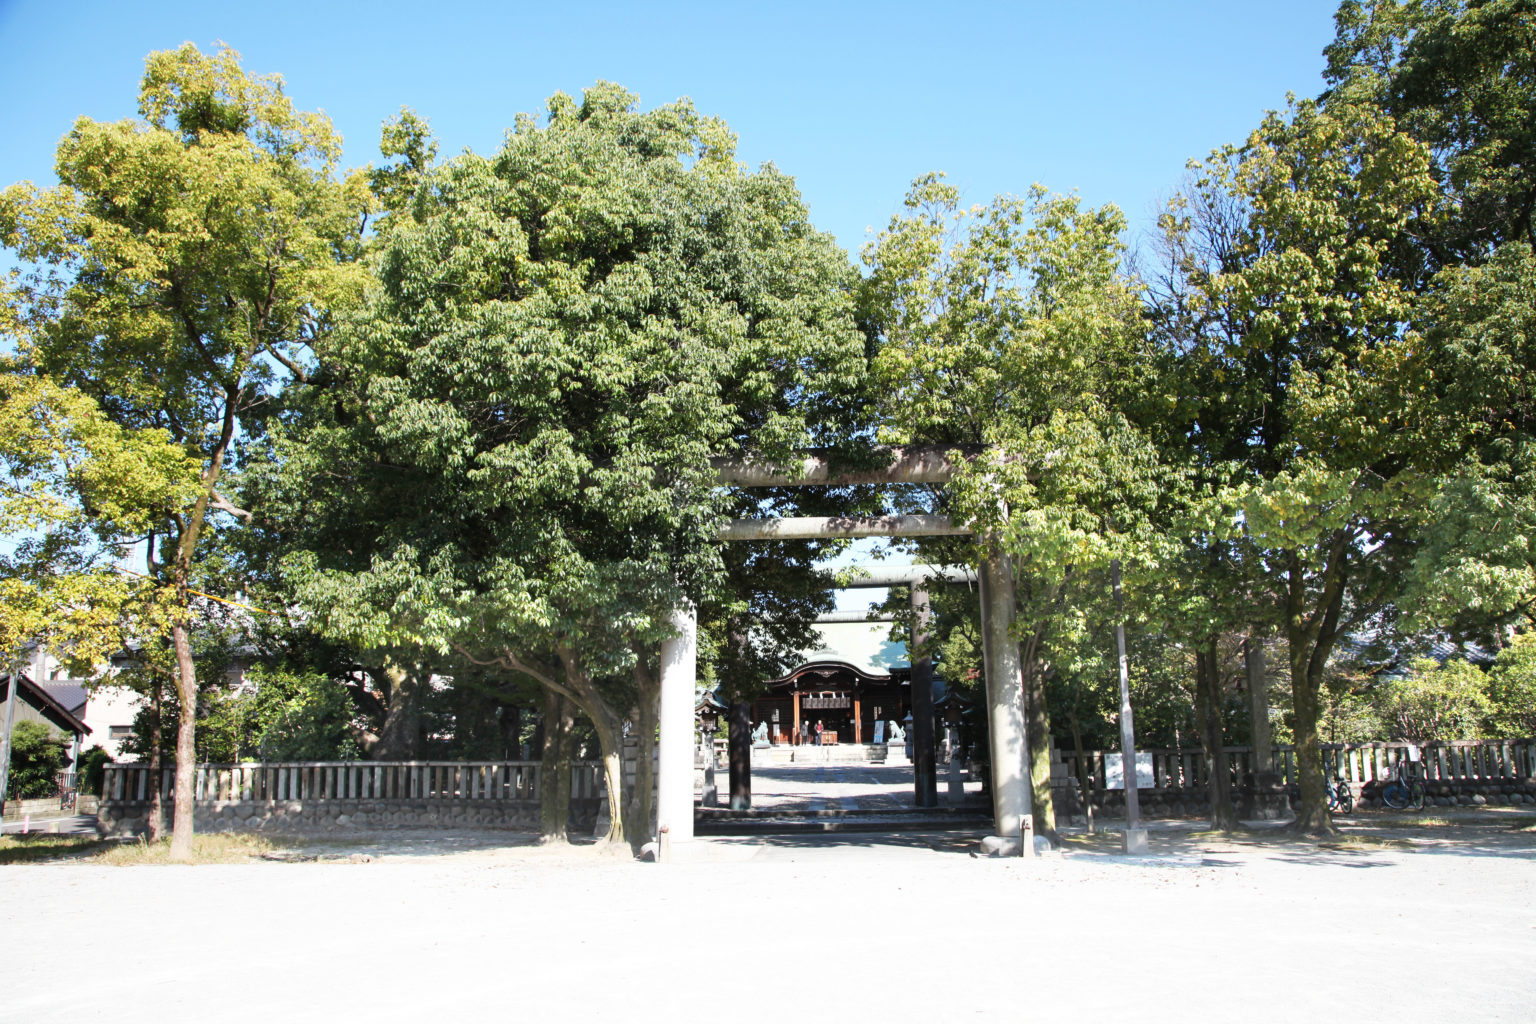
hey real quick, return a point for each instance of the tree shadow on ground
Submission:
(1364, 840)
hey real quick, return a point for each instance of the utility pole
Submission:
(1135, 835)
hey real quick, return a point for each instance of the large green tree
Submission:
(182, 266)
(1310, 382)
(566, 331)
(1009, 329)
(1459, 76)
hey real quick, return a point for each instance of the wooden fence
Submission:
(352, 780)
(1459, 761)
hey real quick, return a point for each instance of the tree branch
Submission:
(223, 504)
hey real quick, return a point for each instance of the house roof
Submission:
(45, 702)
(71, 696)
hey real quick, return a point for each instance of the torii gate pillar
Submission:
(1012, 813)
(674, 758)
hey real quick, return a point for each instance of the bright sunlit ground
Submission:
(1400, 919)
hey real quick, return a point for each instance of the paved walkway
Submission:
(71, 824)
(841, 787)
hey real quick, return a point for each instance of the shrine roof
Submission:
(866, 646)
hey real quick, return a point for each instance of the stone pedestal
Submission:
(1263, 798)
(956, 782)
(1136, 841)
(999, 846)
(896, 753)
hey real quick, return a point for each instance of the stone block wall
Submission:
(1461, 793)
(124, 818)
(1193, 802)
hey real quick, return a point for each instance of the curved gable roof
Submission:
(865, 647)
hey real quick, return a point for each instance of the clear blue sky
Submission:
(853, 99)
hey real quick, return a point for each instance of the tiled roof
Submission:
(71, 696)
(866, 646)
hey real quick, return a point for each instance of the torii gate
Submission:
(1011, 810)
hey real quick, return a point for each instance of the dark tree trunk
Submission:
(739, 740)
(1311, 639)
(400, 736)
(1208, 705)
(1037, 722)
(511, 732)
(156, 825)
(1084, 780)
(1258, 704)
(555, 774)
(1312, 817)
(641, 804)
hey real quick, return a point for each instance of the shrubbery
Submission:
(37, 756)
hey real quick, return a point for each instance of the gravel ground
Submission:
(1398, 921)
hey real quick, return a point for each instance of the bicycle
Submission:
(1405, 790)
(1340, 797)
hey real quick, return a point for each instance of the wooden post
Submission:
(794, 737)
(858, 721)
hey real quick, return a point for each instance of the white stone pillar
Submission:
(674, 761)
(1011, 806)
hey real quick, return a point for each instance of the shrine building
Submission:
(856, 677)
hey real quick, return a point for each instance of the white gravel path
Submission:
(851, 928)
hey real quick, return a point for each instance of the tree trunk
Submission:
(1037, 722)
(186, 672)
(1084, 783)
(1311, 639)
(1258, 705)
(186, 746)
(400, 736)
(608, 726)
(610, 742)
(1208, 702)
(512, 733)
(555, 774)
(1312, 817)
(739, 753)
(641, 803)
(156, 824)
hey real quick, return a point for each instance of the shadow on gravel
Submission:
(1368, 840)
(958, 843)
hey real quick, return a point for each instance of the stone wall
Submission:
(1154, 803)
(1193, 802)
(124, 818)
(1460, 793)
